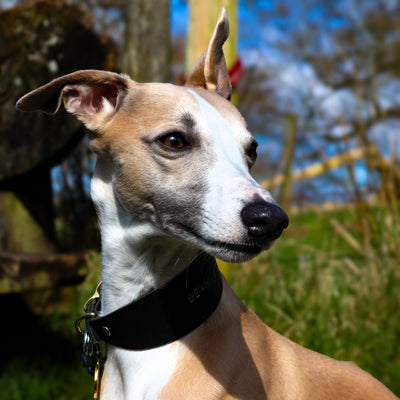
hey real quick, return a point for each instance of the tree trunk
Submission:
(147, 50)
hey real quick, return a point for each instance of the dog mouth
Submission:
(232, 252)
(226, 251)
(239, 248)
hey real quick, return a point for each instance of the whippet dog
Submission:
(172, 191)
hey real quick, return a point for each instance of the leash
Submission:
(158, 318)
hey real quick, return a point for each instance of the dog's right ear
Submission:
(210, 71)
(93, 96)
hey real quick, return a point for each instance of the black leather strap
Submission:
(167, 314)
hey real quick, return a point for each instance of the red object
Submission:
(236, 71)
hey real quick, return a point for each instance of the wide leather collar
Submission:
(166, 314)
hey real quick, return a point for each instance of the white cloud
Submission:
(386, 135)
(388, 91)
(294, 84)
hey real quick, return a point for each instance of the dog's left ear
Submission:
(210, 71)
(93, 96)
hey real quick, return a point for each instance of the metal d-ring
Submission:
(83, 317)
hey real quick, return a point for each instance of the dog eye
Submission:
(173, 140)
(252, 152)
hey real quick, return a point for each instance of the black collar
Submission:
(167, 314)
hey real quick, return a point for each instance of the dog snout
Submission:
(264, 221)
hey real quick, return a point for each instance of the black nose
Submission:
(264, 221)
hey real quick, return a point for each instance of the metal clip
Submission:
(92, 349)
(92, 353)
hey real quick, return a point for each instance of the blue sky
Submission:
(251, 20)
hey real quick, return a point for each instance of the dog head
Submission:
(177, 158)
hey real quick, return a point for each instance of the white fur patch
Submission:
(230, 184)
(142, 374)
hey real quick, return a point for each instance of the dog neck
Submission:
(136, 256)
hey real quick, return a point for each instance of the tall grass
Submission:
(319, 287)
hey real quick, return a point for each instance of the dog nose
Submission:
(264, 221)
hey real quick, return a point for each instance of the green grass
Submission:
(43, 377)
(314, 286)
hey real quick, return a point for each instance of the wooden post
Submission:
(288, 158)
(202, 20)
